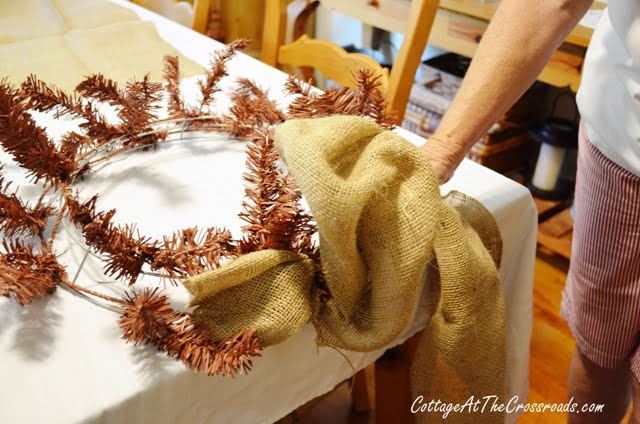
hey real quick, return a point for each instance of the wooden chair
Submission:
(194, 15)
(335, 63)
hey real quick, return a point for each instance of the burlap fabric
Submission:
(381, 222)
(268, 290)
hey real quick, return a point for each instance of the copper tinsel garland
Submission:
(272, 211)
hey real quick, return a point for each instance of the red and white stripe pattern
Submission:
(601, 300)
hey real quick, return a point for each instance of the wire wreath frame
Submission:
(182, 133)
(272, 212)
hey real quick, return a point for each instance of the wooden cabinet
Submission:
(459, 26)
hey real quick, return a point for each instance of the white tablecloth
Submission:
(62, 360)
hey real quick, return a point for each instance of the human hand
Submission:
(442, 158)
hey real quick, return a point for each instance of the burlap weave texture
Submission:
(381, 222)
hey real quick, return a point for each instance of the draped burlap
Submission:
(381, 223)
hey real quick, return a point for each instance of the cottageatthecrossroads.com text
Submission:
(492, 404)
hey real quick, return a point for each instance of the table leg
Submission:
(393, 383)
(360, 392)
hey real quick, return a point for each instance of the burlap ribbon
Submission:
(381, 222)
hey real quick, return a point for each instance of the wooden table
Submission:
(459, 26)
(74, 367)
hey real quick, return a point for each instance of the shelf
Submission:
(580, 36)
(459, 27)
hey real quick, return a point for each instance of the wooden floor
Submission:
(551, 341)
(551, 349)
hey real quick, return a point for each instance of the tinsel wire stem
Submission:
(56, 225)
(46, 190)
(108, 298)
(88, 297)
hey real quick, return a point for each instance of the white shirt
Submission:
(609, 95)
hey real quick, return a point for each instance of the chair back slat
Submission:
(331, 60)
(335, 63)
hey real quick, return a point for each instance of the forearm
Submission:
(521, 38)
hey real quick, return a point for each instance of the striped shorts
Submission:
(601, 299)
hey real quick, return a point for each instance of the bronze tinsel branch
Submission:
(124, 249)
(217, 71)
(136, 105)
(251, 112)
(209, 86)
(17, 217)
(27, 275)
(185, 253)
(139, 106)
(272, 210)
(102, 89)
(366, 100)
(44, 98)
(274, 217)
(192, 251)
(28, 144)
(175, 104)
(148, 318)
